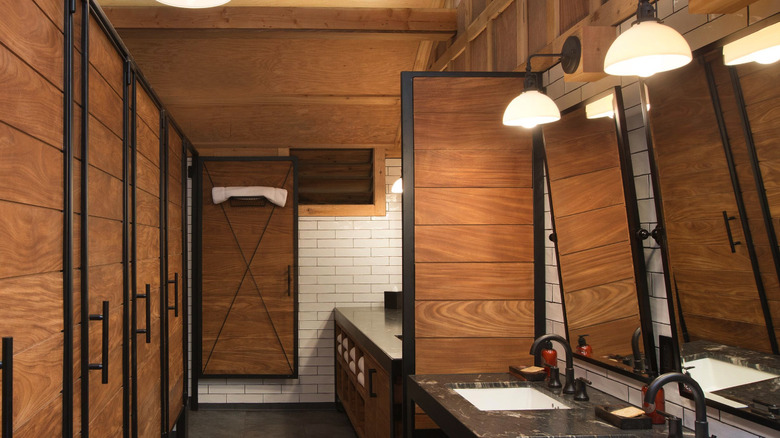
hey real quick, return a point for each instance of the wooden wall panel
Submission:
(473, 228)
(591, 225)
(33, 177)
(505, 39)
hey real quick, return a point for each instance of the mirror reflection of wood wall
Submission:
(599, 286)
(722, 253)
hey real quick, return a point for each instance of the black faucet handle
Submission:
(555, 378)
(581, 385)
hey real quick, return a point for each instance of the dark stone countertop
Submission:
(457, 417)
(738, 356)
(375, 329)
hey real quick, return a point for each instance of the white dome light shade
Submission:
(648, 47)
(193, 4)
(531, 108)
(398, 186)
(762, 47)
(600, 108)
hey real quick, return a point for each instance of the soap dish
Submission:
(532, 374)
(638, 422)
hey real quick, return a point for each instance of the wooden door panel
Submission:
(592, 229)
(586, 192)
(148, 111)
(475, 281)
(615, 301)
(33, 176)
(597, 266)
(473, 243)
(465, 131)
(105, 103)
(465, 95)
(469, 168)
(30, 240)
(480, 206)
(437, 355)
(105, 195)
(148, 176)
(484, 319)
(148, 144)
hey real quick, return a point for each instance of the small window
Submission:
(340, 182)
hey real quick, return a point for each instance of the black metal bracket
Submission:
(175, 306)
(7, 365)
(103, 365)
(643, 234)
(726, 221)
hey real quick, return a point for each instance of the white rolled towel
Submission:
(352, 366)
(352, 353)
(339, 349)
(361, 379)
(345, 343)
(346, 356)
(338, 338)
(360, 364)
(274, 195)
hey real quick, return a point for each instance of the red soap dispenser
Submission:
(660, 405)
(583, 348)
(549, 356)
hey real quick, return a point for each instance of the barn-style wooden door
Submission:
(247, 300)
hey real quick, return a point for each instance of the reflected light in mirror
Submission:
(762, 47)
(531, 108)
(398, 186)
(193, 4)
(600, 108)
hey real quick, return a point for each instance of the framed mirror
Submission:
(715, 171)
(596, 233)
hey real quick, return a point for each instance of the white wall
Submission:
(343, 261)
(698, 30)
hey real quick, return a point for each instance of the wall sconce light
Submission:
(762, 46)
(193, 4)
(532, 107)
(648, 47)
(600, 108)
(398, 186)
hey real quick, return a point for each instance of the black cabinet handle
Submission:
(147, 297)
(289, 279)
(175, 306)
(371, 373)
(726, 219)
(7, 365)
(103, 365)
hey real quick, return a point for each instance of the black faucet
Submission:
(568, 387)
(701, 427)
(639, 367)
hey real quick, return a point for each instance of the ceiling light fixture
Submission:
(600, 108)
(532, 107)
(648, 47)
(193, 4)
(762, 46)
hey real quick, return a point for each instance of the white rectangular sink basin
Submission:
(509, 399)
(713, 375)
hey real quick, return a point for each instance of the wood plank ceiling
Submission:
(256, 77)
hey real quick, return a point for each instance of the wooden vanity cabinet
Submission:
(368, 400)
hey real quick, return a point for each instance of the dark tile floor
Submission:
(269, 424)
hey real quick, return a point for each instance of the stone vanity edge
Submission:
(375, 329)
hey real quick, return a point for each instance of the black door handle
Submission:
(103, 365)
(371, 373)
(7, 365)
(726, 219)
(175, 307)
(147, 297)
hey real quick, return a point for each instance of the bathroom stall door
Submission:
(99, 191)
(32, 202)
(175, 303)
(247, 301)
(146, 322)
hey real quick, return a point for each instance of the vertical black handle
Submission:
(147, 297)
(7, 365)
(175, 307)
(289, 279)
(371, 373)
(726, 219)
(103, 365)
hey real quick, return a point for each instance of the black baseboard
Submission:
(267, 406)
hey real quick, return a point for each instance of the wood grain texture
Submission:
(608, 337)
(147, 209)
(597, 266)
(148, 176)
(30, 171)
(472, 319)
(18, 82)
(473, 243)
(592, 229)
(474, 281)
(505, 39)
(105, 148)
(594, 145)
(43, 297)
(749, 336)
(47, 423)
(30, 240)
(605, 189)
(465, 95)
(468, 130)
(148, 111)
(464, 355)
(441, 168)
(104, 102)
(105, 241)
(477, 206)
(147, 143)
(105, 195)
(104, 57)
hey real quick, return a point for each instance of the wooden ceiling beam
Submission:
(428, 20)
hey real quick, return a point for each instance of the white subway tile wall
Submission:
(343, 261)
(699, 30)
